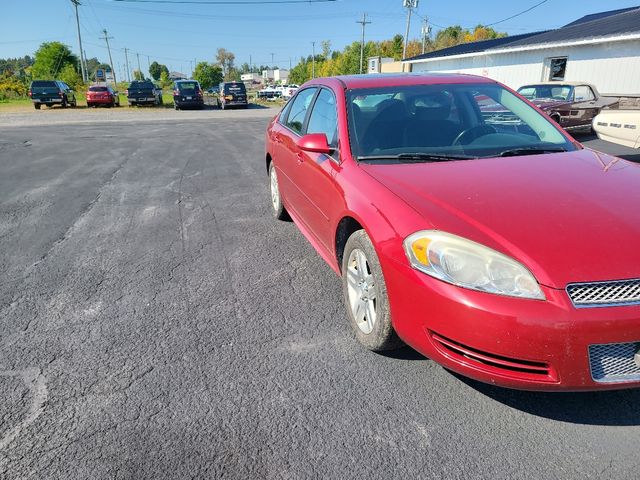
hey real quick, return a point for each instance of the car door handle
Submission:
(300, 158)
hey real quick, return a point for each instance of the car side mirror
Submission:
(314, 142)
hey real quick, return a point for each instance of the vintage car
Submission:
(571, 104)
(619, 126)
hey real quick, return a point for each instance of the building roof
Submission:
(603, 25)
(597, 25)
(473, 47)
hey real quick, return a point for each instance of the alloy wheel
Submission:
(361, 290)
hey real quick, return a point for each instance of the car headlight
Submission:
(468, 264)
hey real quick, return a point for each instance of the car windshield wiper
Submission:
(415, 157)
(514, 152)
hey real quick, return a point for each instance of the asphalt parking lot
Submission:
(156, 322)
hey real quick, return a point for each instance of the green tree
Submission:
(207, 74)
(50, 59)
(156, 69)
(165, 81)
(138, 75)
(70, 76)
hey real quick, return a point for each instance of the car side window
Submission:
(583, 94)
(324, 117)
(298, 110)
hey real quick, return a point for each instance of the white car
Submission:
(289, 90)
(619, 126)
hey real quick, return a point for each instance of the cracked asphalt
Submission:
(156, 322)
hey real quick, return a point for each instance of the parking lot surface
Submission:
(156, 322)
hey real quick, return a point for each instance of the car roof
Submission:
(558, 84)
(400, 79)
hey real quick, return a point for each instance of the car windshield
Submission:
(434, 121)
(554, 92)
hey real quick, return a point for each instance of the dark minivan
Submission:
(187, 93)
(51, 92)
(232, 94)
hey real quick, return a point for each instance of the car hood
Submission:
(548, 103)
(569, 217)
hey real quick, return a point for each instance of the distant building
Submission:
(251, 78)
(602, 49)
(279, 75)
(386, 65)
(177, 76)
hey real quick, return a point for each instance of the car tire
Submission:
(176, 107)
(64, 102)
(362, 278)
(222, 107)
(279, 212)
(37, 106)
(75, 103)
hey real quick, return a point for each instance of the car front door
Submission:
(315, 174)
(284, 136)
(585, 105)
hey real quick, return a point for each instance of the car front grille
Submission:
(623, 292)
(614, 362)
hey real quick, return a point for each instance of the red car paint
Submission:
(568, 217)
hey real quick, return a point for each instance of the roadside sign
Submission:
(100, 74)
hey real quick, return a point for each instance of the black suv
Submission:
(187, 93)
(232, 94)
(51, 92)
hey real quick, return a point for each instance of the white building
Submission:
(279, 75)
(251, 77)
(602, 49)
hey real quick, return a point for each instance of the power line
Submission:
(517, 14)
(225, 2)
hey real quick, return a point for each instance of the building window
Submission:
(557, 68)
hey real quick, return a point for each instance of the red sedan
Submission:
(102, 95)
(466, 224)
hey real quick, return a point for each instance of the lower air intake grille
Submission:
(615, 362)
(623, 292)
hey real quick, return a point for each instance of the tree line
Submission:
(55, 60)
(347, 61)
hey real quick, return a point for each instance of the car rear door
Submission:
(284, 136)
(315, 172)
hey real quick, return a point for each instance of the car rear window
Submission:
(141, 85)
(187, 86)
(41, 86)
(98, 89)
(234, 88)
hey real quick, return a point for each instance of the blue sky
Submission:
(177, 35)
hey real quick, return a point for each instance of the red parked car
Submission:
(485, 238)
(102, 95)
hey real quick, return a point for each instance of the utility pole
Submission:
(126, 57)
(362, 22)
(409, 5)
(426, 33)
(272, 60)
(289, 63)
(139, 67)
(313, 60)
(106, 38)
(82, 65)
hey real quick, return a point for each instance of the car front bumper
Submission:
(516, 343)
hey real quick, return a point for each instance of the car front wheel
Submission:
(365, 295)
(276, 200)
